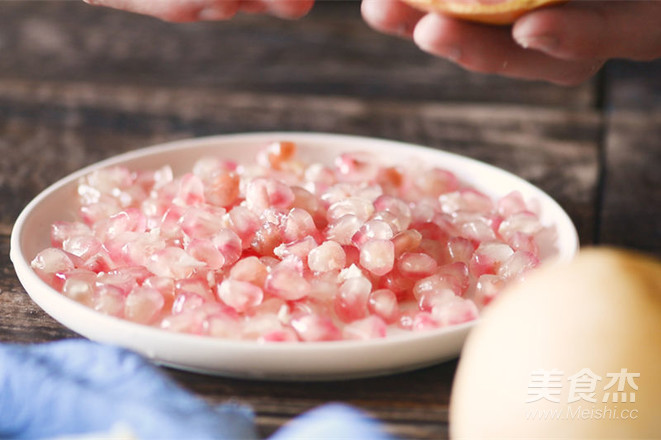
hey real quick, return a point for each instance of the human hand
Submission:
(564, 44)
(194, 10)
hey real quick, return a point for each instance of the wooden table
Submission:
(78, 84)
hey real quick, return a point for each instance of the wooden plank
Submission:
(50, 129)
(631, 206)
(330, 52)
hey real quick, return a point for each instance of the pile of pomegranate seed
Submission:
(282, 250)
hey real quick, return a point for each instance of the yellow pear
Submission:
(573, 352)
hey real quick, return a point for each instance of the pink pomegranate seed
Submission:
(201, 221)
(512, 203)
(276, 154)
(61, 231)
(356, 167)
(455, 312)
(475, 227)
(517, 264)
(352, 300)
(326, 257)
(285, 282)
(185, 302)
(343, 230)
(525, 222)
(487, 288)
(262, 193)
(432, 298)
(191, 191)
(372, 229)
(229, 244)
(370, 327)
(83, 246)
(135, 249)
(51, 261)
(249, 269)
(416, 265)
(173, 262)
(488, 257)
(109, 300)
(223, 326)
(383, 303)
(435, 182)
(398, 284)
(460, 249)
(143, 305)
(205, 252)
(240, 295)
(456, 274)
(266, 239)
(423, 321)
(377, 256)
(222, 189)
(79, 289)
(406, 241)
(245, 223)
(523, 242)
(298, 224)
(311, 328)
(433, 283)
(281, 335)
(396, 207)
(465, 200)
(356, 206)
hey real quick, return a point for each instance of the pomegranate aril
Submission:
(455, 312)
(460, 249)
(51, 261)
(190, 191)
(517, 264)
(416, 265)
(406, 241)
(222, 189)
(434, 284)
(311, 328)
(487, 288)
(525, 222)
(249, 269)
(326, 257)
(108, 300)
(488, 257)
(173, 262)
(343, 229)
(355, 206)
(298, 224)
(263, 193)
(201, 221)
(61, 231)
(435, 182)
(383, 303)
(523, 242)
(285, 282)
(370, 327)
(187, 301)
(430, 299)
(245, 223)
(423, 321)
(372, 229)
(468, 200)
(284, 334)
(229, 245)
(377, 256)
(240, 295)
(352, 300)
(510, 204)
(205, 251)
(356, 167)
(143, 305)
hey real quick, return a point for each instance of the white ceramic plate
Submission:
(293, 361)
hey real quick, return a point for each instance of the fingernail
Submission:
(427, 37)
(545, 43)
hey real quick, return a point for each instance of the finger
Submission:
(605, 29)
(175, 10)
(391, 16)
(252, 6)
(290, 9)
(489, 49)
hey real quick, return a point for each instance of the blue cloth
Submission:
(76, 387)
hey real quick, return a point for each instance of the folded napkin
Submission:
(77, 387)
